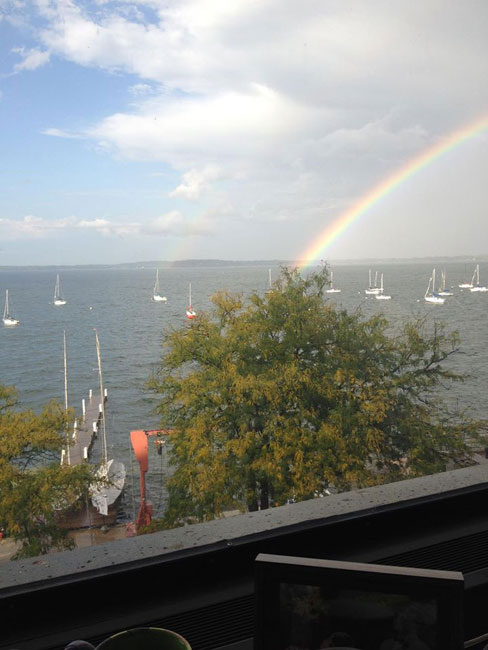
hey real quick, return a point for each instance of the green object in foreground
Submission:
(145, 638)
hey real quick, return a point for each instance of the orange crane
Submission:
(139, 440)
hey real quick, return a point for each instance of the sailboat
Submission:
(270, 282)
(381, 295)
(372, 289)
(332, 289)
(58, 300)
(8, 320)
(432, 295)
(465, 284)
(443, 291)
(156, 296)
(111, 472)
(476, 276)
(190, 313)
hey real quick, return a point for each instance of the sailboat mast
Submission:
(190, 294)
(5, 311)
(66, 393)
(65, 373)
(102, 402)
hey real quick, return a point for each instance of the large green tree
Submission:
(33, 483)
(284, 395)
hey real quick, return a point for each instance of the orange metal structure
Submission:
(139, 440)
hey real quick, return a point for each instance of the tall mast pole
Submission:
(66, 393)
(102, 402)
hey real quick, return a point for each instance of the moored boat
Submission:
(8, 319)
(430, 294)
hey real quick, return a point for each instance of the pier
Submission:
(83, 435)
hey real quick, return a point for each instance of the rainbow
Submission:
(334, 230)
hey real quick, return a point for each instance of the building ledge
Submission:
(27, 574)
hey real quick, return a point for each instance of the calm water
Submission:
(130, 327)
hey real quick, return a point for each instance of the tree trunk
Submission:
(264, 494)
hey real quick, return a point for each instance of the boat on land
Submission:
(157, 297)
(431, 294)
(372, 289)
(8, 320)
(332, 289)
(443, 290)
(475, 281)
(190, 312)
(381, 295)
(58, 299)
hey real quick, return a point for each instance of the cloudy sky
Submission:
(238, 129)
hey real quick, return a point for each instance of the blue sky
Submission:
(145, 129)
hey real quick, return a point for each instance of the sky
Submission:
(178, 129)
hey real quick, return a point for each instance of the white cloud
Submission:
(195, 182)
(59, 133)
(31, 59)
(141, 90)
(288, 110)
(172, 223)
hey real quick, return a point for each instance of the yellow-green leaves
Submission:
(282, 396)
(32, 481)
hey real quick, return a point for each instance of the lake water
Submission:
(117, 302)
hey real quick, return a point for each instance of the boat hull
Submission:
(478, 289)
(87, 516)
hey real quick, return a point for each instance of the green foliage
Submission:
(33, 484)
(285, 396)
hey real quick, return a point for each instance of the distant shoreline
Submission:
(192, 263)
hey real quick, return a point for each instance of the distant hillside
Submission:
(162, 264)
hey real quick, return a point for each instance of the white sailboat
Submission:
(381, 295)
(58, 299)
(270, 282)
(332, 289)
(156, 295)
(372, 290)
(443, 290)
(476, 286)
(432, 295)
(111, 472)
(190, 313)
(8, 320)
(465, 284)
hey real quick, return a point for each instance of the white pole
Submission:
(83, 408)
(90, 394)
(100, 376)
(66, 389)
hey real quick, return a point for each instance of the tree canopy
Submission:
(283, 396)
(33, 483)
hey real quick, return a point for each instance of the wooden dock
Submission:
(84, 432)
(83, 514)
